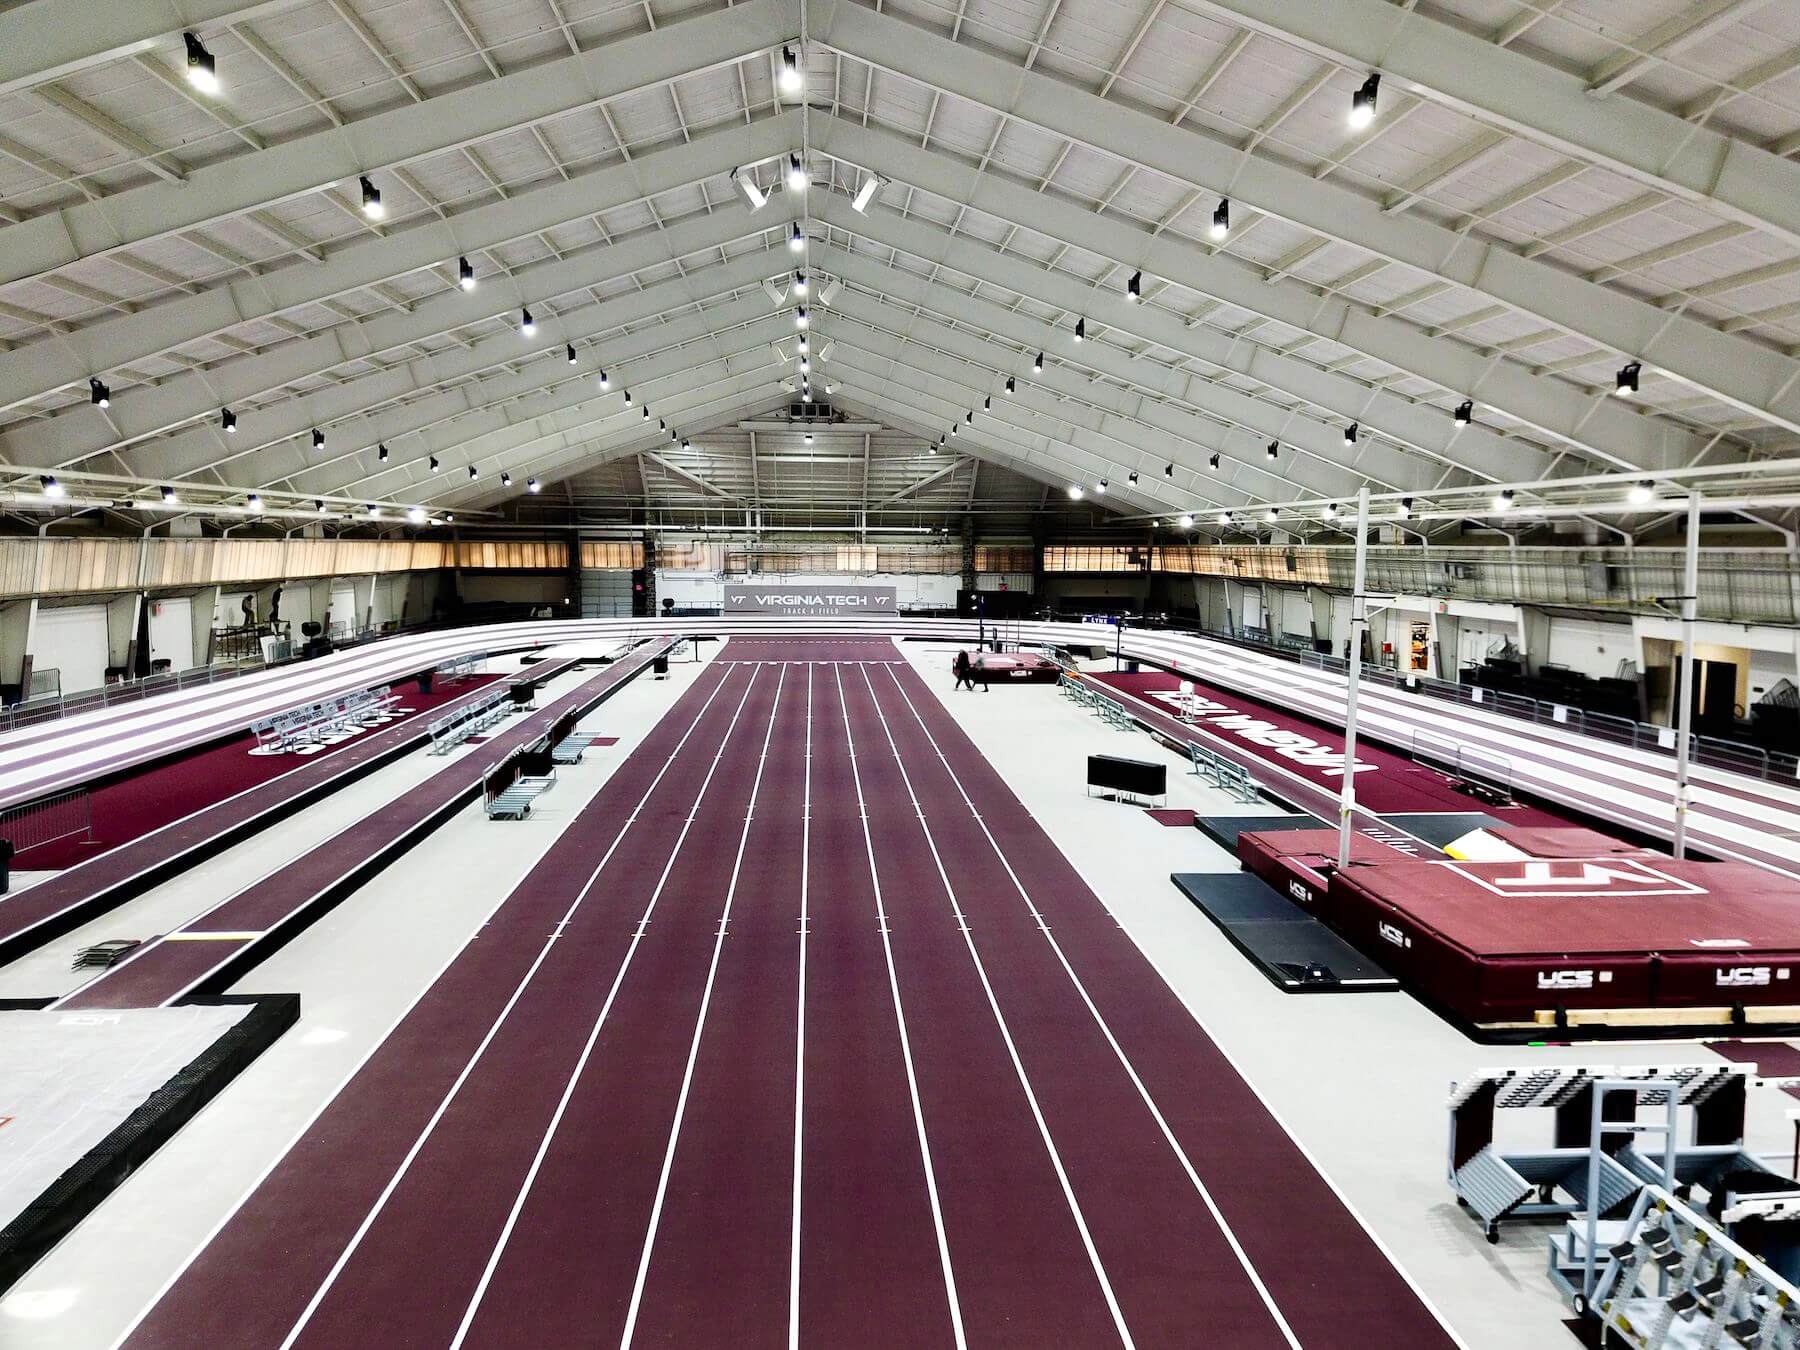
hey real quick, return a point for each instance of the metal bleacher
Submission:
(308, 730)
(455, 727)
(1227, 775)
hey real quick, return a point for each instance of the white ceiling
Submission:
(1550, 189)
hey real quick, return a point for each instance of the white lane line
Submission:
(1230, 1059)
(687, 1073)
(1156, 1114)
(1012, 1050)
(800, 1028)
(912, 1080)
(332, 1096)
(468, 1069)
(587, 1049)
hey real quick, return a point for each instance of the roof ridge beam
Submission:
(402, 135)
(1742, 373)
(1594, 423)
(69, 359)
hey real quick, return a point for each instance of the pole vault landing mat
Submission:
(1643, 941)
(1224, 830)
(1297, 953)
(1439, 828)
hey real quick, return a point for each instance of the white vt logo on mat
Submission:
(1560, 878)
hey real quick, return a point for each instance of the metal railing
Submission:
(37, 710)
(67, 815)
(1712, 751)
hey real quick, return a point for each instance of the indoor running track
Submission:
(803, 1033)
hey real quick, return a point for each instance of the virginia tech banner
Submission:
(822, 601)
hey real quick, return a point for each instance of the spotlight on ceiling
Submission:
(434, 463)
(865, 194)
(371, 200)
(381, 453)
(1101, 487)
(228, 420)
(1186, 522)
(800, 317)
(416, 514)
(1212, 461)
(1274, 450)
(318, 439)
(374, 511)
(1272, 514)
(1626, 382)
(532, 485)
(505, 478)
(1010, 386)
(98, 394)
(474, 472)
(1224, 517)
(465, 274)
(168, 496)
(1134, 288)
(603, 381)
(686, 444)
(1503, 500)
(809, 436)
(627, 394)
(1221, 224)
(1080, 329)
(1169, 470)
(1406, 508)
(1362, 102)
(1131, 478)
(1038, 364)
(1330, 511)
(790, 71)
(527, 324)
(1074, 492)
(753, 196)
(1641, 492)
(254, 504)
(51, 487)
(570, 348)
(1350, 433)
(202, 69)
(796, 240)
(1465, 412)
(796, 174)
(799, 283)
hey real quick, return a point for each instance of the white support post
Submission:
(1690, 602)
(1359, 624)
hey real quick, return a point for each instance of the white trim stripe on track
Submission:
(800, 1028)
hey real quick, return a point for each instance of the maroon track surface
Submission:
(804, 925)
(1396, 784)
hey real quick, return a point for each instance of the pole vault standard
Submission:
(1690, 602)
(1359, 625)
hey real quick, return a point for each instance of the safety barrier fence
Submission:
(67, 815)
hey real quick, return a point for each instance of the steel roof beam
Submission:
(1598, 426)
(384, 140)
(69, 359)
(1739, 372)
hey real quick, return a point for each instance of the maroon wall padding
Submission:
(1569, 841)
(1499, 941)
(1298, 863)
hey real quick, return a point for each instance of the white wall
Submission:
(1590, 646)
(706, 590)
(72, 641)
(172, 631)
(344, 615)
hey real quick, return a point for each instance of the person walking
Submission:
(965, 670)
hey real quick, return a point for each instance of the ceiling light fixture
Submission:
(809, 438)
(416, 514)
(98, 394)
(1362, 102)
(1100, 487)
(1131, 478)
(1465, 412)
(796, 240)
(228, 420)
(532, 485)
(505, 478)
(1074, 492)
(51, 487)
(374, 511)
(753, 196)
(318, 439)
(254, 504)
(1350, 433)
(434, 463)
(800, 317)
(790, 71)
(603, 381)
(799, 283)
(865, 194)
(1641, 492)
(803, 344)
(1272, 514)
(381, 453)
(1330, 512)
(465, 274)
(371, 200)
(1406, 508)
(1169, 470)
(627, 394)
(1039, 363)
(1080, 329)
(1221, 224)
(1213, 460)
(527, 324)
(1274, 451)
(474, 473)
(1626, 381)
(1186, 522)
(796, 174)
(1010, 386)
(168, 496)
(1503, 500)
(202, 69)
(1224, 517)
(570, 347)
(1134, 288)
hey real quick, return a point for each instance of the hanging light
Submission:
(1039, 363)
(168, 496)
(1272, 514)
(1224, 517)
(202, 69)
(318, 439)
(374, 511)
(646, 412)
(449, 517)
(1350, 433)
(803, 344)
(416, 514)
(955, 427)
(604, 382)
(1100, 487)
(1503, 500)
(570, 347)
(1131, 478)
(1406, 508)
(381, 454)
(865, 194)
(1080, 329)
(805, 364)
(1626, 382)
(627, 398)
(790, 71)
(1186, 522)
(228, 420)
(434, 463)
(527, 324)
(465, 274)
(1221, 224)
(1465, 412)
(505, 478)
(796, 240)
(753, 196)
(1134, 288)
(799, 283)
(987, 403)
(51, 487)
(98, 394)
(319, 505)
(796, 174)
(940, 444)
(661, 425)
(371, 200)
(532, 485)
(1212, 461)
(1362, 102)
(686, 444)
(254, 504)
(1274, 451)
(1074, 492)
(1010, 387)
(474, 473)
(800, 317)
(1169, 470)
(969, 417)
(1641, 492)
(1330, 512)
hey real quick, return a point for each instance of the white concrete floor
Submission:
(357, 971)
(1360, 1080)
